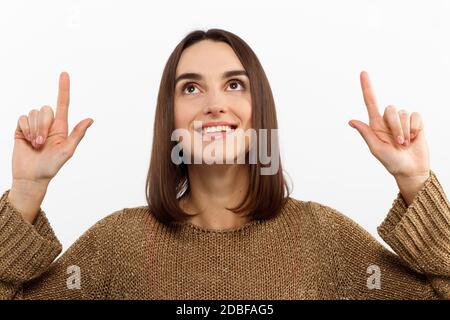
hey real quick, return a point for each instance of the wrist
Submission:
(410, 185)
(27, 196)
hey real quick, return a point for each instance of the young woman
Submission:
(215, 230)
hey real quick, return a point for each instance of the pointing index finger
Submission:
(63, 97)
(369, 96)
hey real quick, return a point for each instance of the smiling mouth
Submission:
(211, 130)
(216, 131)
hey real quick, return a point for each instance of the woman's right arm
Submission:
(27, 252)
(28, 245)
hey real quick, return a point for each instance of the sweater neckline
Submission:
(188, 226)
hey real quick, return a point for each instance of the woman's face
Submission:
(208, 93)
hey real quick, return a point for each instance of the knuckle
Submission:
(403, 113)
(47, 109)
(375, 150)
(415, 114)
(391, 108)
(23, 122)
(66, 152)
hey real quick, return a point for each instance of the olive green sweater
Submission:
(308, 251)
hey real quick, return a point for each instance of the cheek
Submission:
(244, 112)
(182, 116)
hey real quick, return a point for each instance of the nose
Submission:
(214, 105)
(214, 109)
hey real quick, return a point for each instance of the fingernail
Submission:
(400, 139)
(40, 140)
(351, 124)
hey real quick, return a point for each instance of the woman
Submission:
(219, 230)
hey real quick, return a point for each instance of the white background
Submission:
(312, 52)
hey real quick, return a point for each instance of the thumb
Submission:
(366, 132)
(78, 133)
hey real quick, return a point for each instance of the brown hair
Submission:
(166, 181)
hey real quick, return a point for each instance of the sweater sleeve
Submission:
(419, 234)
(28, 251)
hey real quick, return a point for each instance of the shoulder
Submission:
(329, 230)
(313, 209)
(326, 218)
(312, 214)
(128, 218)
(341, 229)
(124, 231)
(329, 215)
(123, 223)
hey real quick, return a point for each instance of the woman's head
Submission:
(211, 77)
(212, 92)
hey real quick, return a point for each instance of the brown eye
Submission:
(189, 86)
(235, 82)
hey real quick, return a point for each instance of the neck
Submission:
(213, 188)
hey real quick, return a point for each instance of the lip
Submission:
(216, 135)
(217, 123)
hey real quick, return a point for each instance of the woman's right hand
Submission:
(41, 147)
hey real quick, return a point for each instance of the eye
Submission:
(189, 88)
(188, 85)
(236, 81)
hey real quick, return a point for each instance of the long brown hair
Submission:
(167, 181)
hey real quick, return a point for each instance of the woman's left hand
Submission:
(397, 140)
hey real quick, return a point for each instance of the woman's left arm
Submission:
(418, 225)
(418, 233)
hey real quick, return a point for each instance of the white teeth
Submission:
(217, 129)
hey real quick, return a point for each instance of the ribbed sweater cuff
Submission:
(26, 250)
(420, 232)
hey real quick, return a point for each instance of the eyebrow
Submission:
(197, 76)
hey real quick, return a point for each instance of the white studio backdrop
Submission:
(312, 52)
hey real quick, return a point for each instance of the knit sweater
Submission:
(308, 251)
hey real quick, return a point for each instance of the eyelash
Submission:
(231, 81)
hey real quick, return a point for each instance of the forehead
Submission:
(208, 57)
